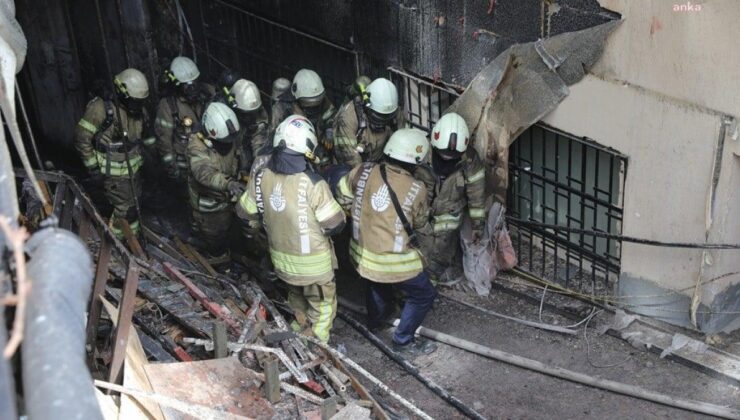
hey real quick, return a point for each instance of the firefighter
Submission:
(177, 114)
(362, 126)
(213, 183)
(357, 90)
(459, 187)
(109, 138)
(223, 90)
(388, 207)
(312, 102)
(253, 120)
(281, 102)
(299, 213)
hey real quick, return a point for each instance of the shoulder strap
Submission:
(109, 116)
(172, 102)
(394, 199)
(361, 119)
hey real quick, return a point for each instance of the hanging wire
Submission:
(622, 238)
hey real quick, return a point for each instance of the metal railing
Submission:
(559, 179)
(76, 213)
(423, 101)
(555, 178)
(262, 50)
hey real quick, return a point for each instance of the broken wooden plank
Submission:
(107, 406)
(133, 373)
(131, 239)
(195, 411)
(164, 245)
(212, 307)
(223, 384)
(272, 379)
(193, 256)
(153, 348)
(220, 338)
(202, 261)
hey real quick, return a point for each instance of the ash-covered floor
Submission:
(498, 390)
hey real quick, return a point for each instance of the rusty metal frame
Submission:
(76, 212)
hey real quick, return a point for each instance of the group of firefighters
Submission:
(294, 176)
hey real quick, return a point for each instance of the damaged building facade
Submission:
(608, 130)
(611, 169)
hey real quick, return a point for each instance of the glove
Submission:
(236, 188)
(96, 177)
(173, 172)
(255, 224)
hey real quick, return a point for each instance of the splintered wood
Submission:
(187, 311)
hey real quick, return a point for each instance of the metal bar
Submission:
(125, 315)
(85, 229)
(445, 87)
(214, 308)
(101, 278)
(65, 219)
(59, 193)
(583, 140)
(284, 27)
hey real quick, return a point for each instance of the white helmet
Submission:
(408, 145)
(279, 87)
(383, 96)
(246, 95)
(307, 88)
(220, 122)
(298, 135)
(184, 70)
(451, 133)
(131, 83)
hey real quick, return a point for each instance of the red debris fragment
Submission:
(491, 6)
(214, 308)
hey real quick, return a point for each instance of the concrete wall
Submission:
(660, 94)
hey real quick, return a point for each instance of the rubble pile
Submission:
(212, 341)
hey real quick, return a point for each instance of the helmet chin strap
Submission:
(311, 157)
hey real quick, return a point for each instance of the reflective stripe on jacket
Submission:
(463, 188)
(380, 246)
(346, 139)
(298, 211)
(104, 149)
(210, 173)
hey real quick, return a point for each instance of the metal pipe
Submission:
(581, 378)
(56, 381)
(369, 376)
(410, 368)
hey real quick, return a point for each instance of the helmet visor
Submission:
(311, 103)
(189, 91)
(134, 106)
(448, 154)
(378, 120)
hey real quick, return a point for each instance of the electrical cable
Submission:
(410, 368)
(588, 346)
(616, 300)
(622, 238)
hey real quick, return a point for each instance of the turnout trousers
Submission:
(120, 195)
(317, 304)
(419, 295)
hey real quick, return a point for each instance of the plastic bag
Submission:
(494, 251)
